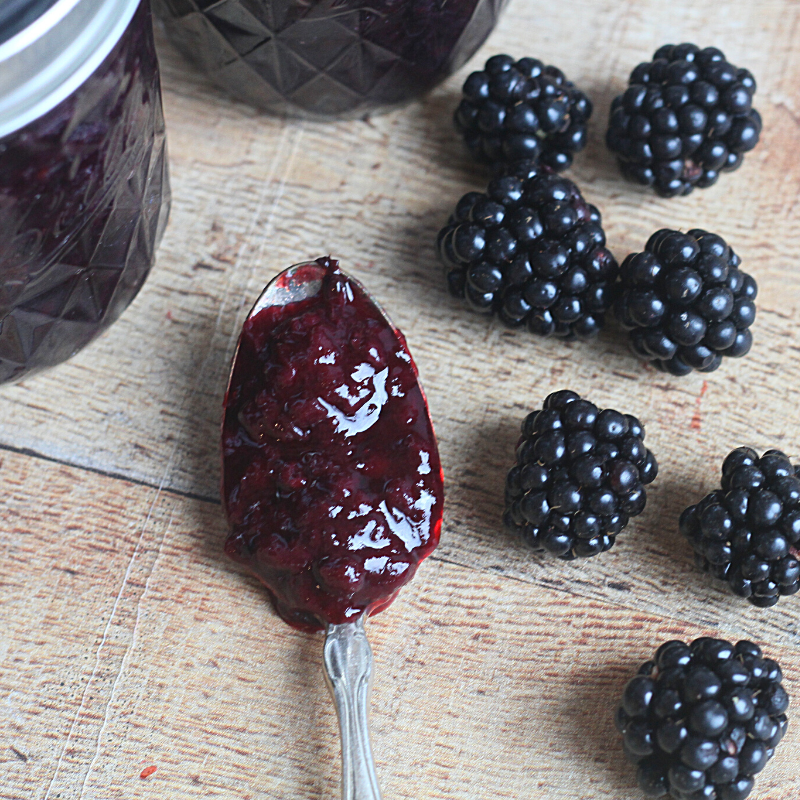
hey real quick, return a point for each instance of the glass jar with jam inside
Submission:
(84, 191)
(328, 58)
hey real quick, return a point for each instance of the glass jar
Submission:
(328, 58)
(84, 191)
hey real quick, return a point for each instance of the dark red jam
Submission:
(84, 197)
(329, 57)
(331, 476)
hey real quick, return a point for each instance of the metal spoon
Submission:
(347, 656)
(348, 672)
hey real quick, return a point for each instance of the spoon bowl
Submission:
(293, 284)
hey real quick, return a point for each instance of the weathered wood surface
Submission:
(127, 641)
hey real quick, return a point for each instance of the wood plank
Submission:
(130, 643)
(253, 194)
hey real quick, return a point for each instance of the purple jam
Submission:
(332, 482)
(329, 58)
(84, 197)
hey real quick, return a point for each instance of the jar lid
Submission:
(18, 14)
(50, 48)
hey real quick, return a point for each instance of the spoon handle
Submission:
(348, 672)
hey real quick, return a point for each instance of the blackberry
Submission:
(685, 302)
(580, 475)
(522, 110)
(748, 532)
(531, 249)
(701, 720)
(685, 117)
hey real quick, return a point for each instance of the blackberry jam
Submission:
(328, 58)
(84, 192)
(331, 476)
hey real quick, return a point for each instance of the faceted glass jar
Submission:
(84, 193)
(328, 58)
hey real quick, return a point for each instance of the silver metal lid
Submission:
(18, 14)
(49, 59)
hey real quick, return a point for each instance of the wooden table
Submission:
(137, 662)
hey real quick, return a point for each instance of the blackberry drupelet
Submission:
(685, 302)
(686, 116)
(580, 475)
(531, 249)
(748, 532)
(701, 720)
(520, 110)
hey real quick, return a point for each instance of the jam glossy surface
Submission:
(328, 58)
(331, 476)
(84, 197)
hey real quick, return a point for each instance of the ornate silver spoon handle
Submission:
(348, 672)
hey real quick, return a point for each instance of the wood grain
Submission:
(127, 642)
(131, 643)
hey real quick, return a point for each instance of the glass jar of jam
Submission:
(84, 191)
(328, 58)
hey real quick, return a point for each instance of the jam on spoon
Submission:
(331, 476)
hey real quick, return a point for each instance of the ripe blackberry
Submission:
(686, 116)
(580, 475)
(532, 250)
(519, 110)
(701, 720)
(685, 302)
(748, 532)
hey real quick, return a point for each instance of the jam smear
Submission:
(331, 475)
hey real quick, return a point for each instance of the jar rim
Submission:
(15, 15)
(46, 61)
